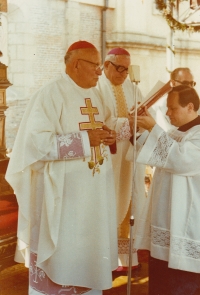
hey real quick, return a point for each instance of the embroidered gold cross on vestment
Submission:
(96, 157)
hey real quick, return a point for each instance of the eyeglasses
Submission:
(118, 68)
(96, 65)
(186, 83)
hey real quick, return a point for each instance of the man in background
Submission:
(118, 99)
(61, 172)
(182, 76)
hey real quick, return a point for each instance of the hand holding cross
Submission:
(104, 135)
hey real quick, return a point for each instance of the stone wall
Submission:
(140, 28)
(13, 118)
(39, 32)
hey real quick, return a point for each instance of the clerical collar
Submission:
(189, 125)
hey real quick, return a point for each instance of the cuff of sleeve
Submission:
(124, 131)
(78, 148)
(86, 143)
(141, 140)
(150, 145)
(139, 143)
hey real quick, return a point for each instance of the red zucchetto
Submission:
(80, 45)
(118, 51)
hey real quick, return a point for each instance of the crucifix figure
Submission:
(96, 155)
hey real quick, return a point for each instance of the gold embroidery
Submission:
(97, 157)
(122, 108)
(90, 111)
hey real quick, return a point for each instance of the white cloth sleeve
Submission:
(140, 141)
(69, 146)
(176, 157)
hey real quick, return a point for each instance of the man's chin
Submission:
(119, 82)
(94, 83)
(173, 123)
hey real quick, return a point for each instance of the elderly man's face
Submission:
(183, 78)
(87, 68)
(113, 69)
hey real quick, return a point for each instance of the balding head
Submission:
(182, 76)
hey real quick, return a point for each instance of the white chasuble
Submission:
(65, 189)
(117, 102)
(170, 224)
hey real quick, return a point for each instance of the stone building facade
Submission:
(34, 36)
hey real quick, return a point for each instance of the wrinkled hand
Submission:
(111, 137)
(146, 121)
(104, 135)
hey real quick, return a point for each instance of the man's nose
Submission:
(99, 71)
(124, 73)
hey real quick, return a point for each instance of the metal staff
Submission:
(134, 74)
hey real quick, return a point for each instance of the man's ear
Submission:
(72, 67)
(75, 64)
(190, 106)
(106, 63)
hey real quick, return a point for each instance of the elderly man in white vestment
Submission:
(170, 222)
(118, 95)
(61, 171)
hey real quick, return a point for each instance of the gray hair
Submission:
(110, 57)
(68, 56)
(71, 54)
(113, 57)
(77, 53)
